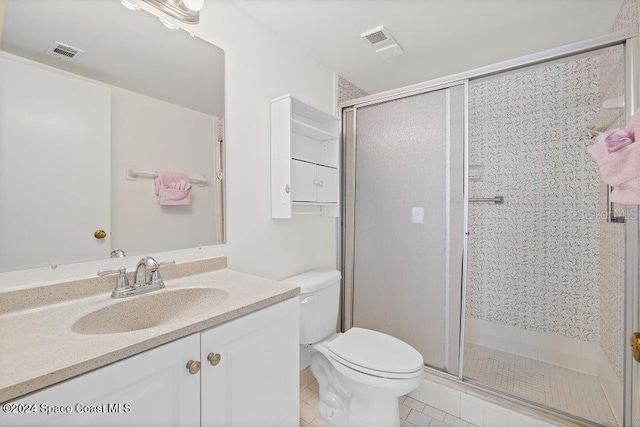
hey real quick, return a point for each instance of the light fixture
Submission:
(187, 11)
(130, 5)
(194, 5)
(170, 25)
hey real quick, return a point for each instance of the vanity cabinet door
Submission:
(328, 184)
(250, 369)
(153, 388)
(303, 181)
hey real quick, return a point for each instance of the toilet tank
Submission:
(319, 302)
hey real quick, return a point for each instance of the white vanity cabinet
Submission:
(304, 159)
(250, 374)
(156, 385)
(253, 380)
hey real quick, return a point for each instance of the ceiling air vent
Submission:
(376, 37)
(382, 42)
(64, 51)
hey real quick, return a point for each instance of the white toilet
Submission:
(361, 373)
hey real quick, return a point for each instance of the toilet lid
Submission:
(375, 351)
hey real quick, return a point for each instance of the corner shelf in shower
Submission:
(304, 159)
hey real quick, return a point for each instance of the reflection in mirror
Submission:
(96, 99)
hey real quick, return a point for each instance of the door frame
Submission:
(347, 237)
(632, 229)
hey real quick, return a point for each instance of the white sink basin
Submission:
(149, 310)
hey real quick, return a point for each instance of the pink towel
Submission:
(617, 139)
(172, 188)
(619, 161)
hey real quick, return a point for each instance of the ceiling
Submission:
(123, 48)
(439, 37)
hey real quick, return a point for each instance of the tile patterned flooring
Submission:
(570, 391)
(412, 412)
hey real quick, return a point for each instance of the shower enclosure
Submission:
(476, 228)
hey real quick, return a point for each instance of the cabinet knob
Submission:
(287, 188)
(214, 358)
(100, 234)
(193, 366)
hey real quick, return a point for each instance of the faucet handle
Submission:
(122, 285)
(120, 270)
(155, 274)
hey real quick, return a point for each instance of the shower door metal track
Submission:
(629, 40)
(584, 46)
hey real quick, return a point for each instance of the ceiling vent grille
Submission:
(64, 51)
(383, 43)
(376, 37)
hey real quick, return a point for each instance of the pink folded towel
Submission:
(172, 188)
(618, 156)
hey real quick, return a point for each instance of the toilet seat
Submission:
(374, 353)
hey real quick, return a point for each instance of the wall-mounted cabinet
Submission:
(305, 156)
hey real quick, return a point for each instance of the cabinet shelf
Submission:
(298, 203)
(300, 159)
(310, 131)
(305, 158)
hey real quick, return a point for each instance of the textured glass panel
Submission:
(402, 254)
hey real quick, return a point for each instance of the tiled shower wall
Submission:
(534, 261)
(348, 91)
(611, 267)
(612, 244)
(548, 261)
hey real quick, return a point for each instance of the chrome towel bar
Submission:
(498, 200)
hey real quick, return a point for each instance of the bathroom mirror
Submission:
(95, 99)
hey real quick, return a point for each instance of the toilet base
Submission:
(374, 411)
(363, 413)
(350, 399)
(334, 400)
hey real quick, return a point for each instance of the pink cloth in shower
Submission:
(621, 168)
(172, 188)
(617, 139)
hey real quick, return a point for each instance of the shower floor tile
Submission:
(561, 388)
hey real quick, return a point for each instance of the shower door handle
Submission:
(635, 346)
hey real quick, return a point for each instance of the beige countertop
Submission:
(38, 347)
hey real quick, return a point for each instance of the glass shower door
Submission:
(409, 221)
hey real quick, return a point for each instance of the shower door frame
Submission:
(626, 38)
(347, 259)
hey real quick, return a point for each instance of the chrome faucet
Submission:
(146, 279)
(148, 273)
(117, 253)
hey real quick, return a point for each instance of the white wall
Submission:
(259, 67)
(154, 135)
